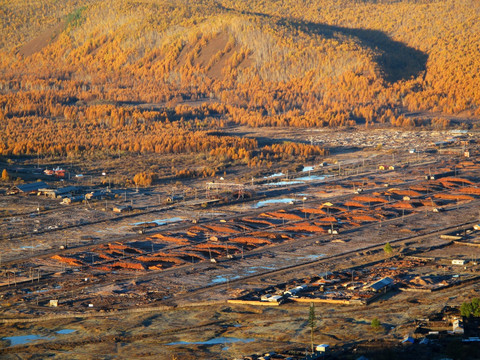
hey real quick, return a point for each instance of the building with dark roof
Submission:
(60, 192)
(380, 285)
(27, 188)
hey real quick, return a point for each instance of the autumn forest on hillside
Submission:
(89, 78)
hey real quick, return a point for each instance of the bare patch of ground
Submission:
(43, 39)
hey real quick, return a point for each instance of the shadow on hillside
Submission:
(396, 60)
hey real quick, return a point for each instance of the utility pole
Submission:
(311, 322)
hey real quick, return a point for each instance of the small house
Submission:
(296, 290)
(381, 285)
(323, 348)
(457, 327)
(272, 298)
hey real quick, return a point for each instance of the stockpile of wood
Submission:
(259, 221)
(269, 235)
(455, 197)
(469, 190)
(313, 211)
(468, 164)
(447, 184)
(249, 240)
(169, 239)
(221, 229)
(363, 218)
(369, 199)
(67, 260)
(305, 227)
(326, 220)
(460, 181)
(354, 204)
(128, 265)
(118, 248)
(282, 214)
(104, 256)
(425, 188)
(409, 193)
(403, 205)
(217, 248)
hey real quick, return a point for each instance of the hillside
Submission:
(89, 64)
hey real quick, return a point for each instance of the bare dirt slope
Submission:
(43, 39)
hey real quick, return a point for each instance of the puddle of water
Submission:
(311, 177)
(308, 168)
(282, 183)
(160, 222)
(314, 257)
(273, 175)
(39, 291)
(27, 247)
(223, 279)
(24, 339)
(272, 201)
(214, 341)
(57, 287)
(255, 269)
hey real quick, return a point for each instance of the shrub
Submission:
(469, 309)
(375, 324)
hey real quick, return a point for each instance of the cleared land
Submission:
(324, 227)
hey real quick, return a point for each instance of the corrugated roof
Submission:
(66, 189)
(31, 187)
(380, 284)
